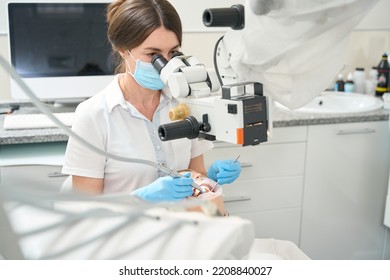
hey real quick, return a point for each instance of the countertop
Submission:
(280, 118)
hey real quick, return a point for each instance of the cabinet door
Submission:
(269, 189)
(272, 204)
(280, 224)
(263, 161)
(345, 188)
(41, 177)
(33, 165)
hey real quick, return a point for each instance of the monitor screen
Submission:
(60, 50)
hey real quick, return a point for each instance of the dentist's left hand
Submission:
(224, 171)
(166, 188)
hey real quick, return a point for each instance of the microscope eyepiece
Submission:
(177, 54)
(159, 62)
(187, 128)
(233, 17)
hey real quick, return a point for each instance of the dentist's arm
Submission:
(197, 164)
(87, 185)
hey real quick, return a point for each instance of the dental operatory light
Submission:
(293, 48)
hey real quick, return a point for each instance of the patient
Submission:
(212, 192)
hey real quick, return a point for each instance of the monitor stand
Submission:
(67, 105)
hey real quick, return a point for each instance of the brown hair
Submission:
(130, 22)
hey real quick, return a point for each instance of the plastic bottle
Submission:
(339, 85)
(359, 79)
(349, 85)
(383, 84)
(373, 75)
(372, 81)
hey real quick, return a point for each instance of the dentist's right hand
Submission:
(166, 188)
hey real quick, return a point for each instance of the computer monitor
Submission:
(60, 50)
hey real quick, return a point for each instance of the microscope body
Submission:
(237, 114)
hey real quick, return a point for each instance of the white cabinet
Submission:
(386, 254)
(346, 179)
(42, 177)
(32, 165)
(269, 190)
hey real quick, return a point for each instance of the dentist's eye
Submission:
(175, 53)
(151, 54)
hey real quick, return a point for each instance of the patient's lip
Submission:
(207, 184)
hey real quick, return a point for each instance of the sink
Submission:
(334, 102)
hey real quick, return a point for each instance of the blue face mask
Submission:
(145, 75)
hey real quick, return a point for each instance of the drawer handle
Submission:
(236, 198)
(355, 131)
(245, 165)
(57, 174)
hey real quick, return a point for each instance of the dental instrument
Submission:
(236, 159)
(194, 185)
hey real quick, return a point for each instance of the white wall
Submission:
(366, 44)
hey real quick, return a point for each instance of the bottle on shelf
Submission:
(372, 81)
(349, 85)
(359, 79)
(373, 75)
(339, 85)
(383, 84)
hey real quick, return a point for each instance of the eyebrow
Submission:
(159, 50)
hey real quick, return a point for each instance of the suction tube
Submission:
(233, 17)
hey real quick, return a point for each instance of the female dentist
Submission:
(123, 118)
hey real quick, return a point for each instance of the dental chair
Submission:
(114, 227)
(123, 227)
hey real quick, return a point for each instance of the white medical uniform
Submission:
(110, 123)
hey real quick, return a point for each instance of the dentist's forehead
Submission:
(161, 39)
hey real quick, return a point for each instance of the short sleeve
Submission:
(80, 159)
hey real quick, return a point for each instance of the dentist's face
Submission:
(160, 41)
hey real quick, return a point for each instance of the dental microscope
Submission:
(234, 112)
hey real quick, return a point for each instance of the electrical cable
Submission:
(10, 110)
(215, 60)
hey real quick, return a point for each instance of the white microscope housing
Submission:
(236, 115)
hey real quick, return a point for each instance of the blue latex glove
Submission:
(224, 171)
(166, 188)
